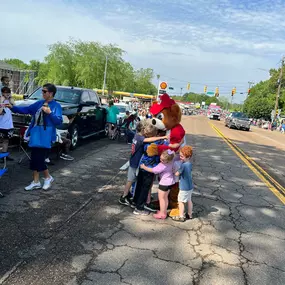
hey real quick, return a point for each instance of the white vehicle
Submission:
(123, 108)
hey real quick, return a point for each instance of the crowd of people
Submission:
(171, 168)
(278, 124)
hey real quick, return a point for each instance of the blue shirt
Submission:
(50, 122)
(137, 151)
(112, 113)
(151, 161)
(185, 175)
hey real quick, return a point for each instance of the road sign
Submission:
(163, 85)
(170, 88)
(162, 91)
(210, 93)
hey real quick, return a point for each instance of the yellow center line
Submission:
(264, 176)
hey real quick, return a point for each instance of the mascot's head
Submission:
(166, 110)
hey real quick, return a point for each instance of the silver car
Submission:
(238, 120)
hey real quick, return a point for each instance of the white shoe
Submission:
(33, 186)
(47, 183)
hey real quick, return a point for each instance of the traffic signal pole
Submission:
(279, 88)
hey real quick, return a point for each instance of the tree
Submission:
(261, 100)
(82, 64)
(212, 100)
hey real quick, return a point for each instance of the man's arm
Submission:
(31, 110)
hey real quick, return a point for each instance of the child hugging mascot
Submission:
(169, 112)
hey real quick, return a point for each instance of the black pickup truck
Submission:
(83, 113)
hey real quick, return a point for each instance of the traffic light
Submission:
(188, 86)
(234, 90)
(217, 92)
(205, 89)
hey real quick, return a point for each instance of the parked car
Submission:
(83, 113)
(238, 120)
(123, 108)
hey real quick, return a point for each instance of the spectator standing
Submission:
(4, 81)
(112, 113)
(6, 120)
(47, 114)
(185, 184)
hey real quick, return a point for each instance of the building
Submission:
(21, 81)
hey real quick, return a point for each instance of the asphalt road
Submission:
(77, 233)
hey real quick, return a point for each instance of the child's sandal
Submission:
(178, 219)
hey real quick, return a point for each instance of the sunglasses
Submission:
(44, 91)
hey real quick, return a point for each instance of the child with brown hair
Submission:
(166, 175)
(185, 184)
(145, 178)
(146, 133)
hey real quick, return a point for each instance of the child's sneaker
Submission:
(150, 207)
(125, 201)
(141, 212)
(178, 219)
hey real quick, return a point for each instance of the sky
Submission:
(224, 43)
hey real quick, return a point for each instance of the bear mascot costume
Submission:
(169, 112)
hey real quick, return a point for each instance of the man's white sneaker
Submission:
(47, 183)
(33, 185)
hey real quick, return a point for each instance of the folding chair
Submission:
(4, 169)
(22, 144)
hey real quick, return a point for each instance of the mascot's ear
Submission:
(176, 111)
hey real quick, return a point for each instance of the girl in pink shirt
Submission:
(167, 179)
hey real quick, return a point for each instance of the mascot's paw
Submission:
(174, 212)
(152, 150)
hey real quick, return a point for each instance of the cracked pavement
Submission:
(77, 234)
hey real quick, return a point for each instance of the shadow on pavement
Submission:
(236, 238)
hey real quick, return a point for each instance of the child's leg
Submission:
(143, 184)
(149, 194)
(163, 201)
(127, 188)
(190, 204)
(181, 206)
(130, 180)
(190, 208)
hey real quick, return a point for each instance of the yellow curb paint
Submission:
(254, 167)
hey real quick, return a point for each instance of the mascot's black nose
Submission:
(153, 121)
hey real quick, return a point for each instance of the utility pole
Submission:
(250, 83)
(279, 88)
(105, 76)
(181, 91)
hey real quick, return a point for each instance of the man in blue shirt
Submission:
(47, 114)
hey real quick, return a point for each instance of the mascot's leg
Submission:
(173, 200)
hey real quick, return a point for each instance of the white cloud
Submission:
(203, 41)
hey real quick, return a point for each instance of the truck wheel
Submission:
(74, 136)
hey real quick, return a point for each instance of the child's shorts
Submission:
(164, 188)
(185, 196)
(132, 176)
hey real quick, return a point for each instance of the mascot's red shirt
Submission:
(176, 136)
